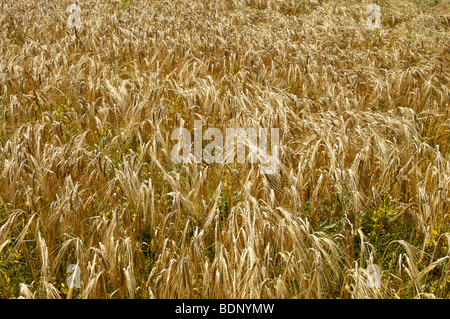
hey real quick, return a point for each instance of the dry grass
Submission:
(85, 170)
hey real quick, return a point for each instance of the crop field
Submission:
(93, 203)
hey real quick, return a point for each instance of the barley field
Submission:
(359, 206)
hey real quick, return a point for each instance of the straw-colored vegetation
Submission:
(86, 175)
